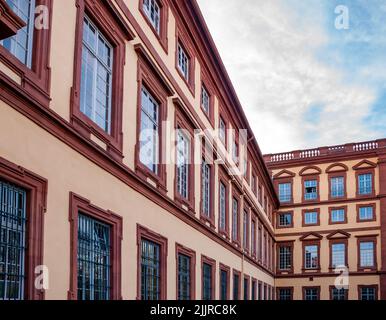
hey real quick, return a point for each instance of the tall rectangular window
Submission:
(183, 158)
(94, 259)
(311, 256)
(338, 215)
(310, 190)
(207, 282)
(20, 45)
(152, 10)
(96, 77)
(235, 150)
(246, 289)
(236, 287)
(311, 294)
(223, 204)
(222, 130)
(235, 220)
(368, 293)
(253, 296)
(338, 255)
(365, 182)
(13, 226)
(337, 187)
(285, 257)
(223, 285)
(150, 270)
(253, 237)
(366, 254)
(366, 213)
(149, 135)
(205, 100)
(184, 277)
(284, 294)
(205, 188)
(183, 61)
(285, 192)
(245, 230)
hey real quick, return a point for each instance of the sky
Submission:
(308, 73)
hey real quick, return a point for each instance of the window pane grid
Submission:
(150, 271)
(365, 183)
(184, 281)
(285, 294)
(366, 254)
(285, 192)
(183, 62)
(285, 258)
(311, 257)
(338, 255)
(235, 217)
(366, 213)
(310, 190)
(207, 281)
(339, 294)
(94, 259)
(222, 206)
(13, 225)
(337, 187)
(153, 12)
(205, 185)
(368, 294)
(285, 220)
(338, 215)
(311, 217)
(224, 285)
(183, 145)
(311, 294)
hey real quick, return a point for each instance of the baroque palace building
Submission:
(128, 169)
(330, 226)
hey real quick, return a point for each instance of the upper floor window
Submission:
(310, 190)
(245, 230)
(205, 100)
(20, 45)
(366, 254)
(366, 213)
(150, 270)
(13, 228)
(152, 10)
(149, 150)
(285, 192)
(311, 218)
(365, 183)
(235, 220)
(96, 77)
(235, 150)
(338, 255)
(183, 61)
(222, 130)
(205, 188)
(368, 293)
(338, 215)
(337, 187)
(311, 256)
(253, 237)
(260, 194)
(184, 277)
(285, 220)
(285, 257)
(207, 282)
(94, 259)
(183, 158)
(253, 183)
(223, 204)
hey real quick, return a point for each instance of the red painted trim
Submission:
(79, 204)
(36, 189)
(10, 22)
(314, 168)
(337, 167)
(145, 233)
(180, 249)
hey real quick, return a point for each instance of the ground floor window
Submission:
(150, 270)
(368, 293)
(284, 294)
(311, 294)
(339, 294)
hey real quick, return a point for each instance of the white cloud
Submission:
(270, 51)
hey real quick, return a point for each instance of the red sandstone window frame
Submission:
(36, 81)
(359, 172)
(145, 233)
(156, 86)
(183, 40)
(224, 179)
(260, 243)
(306, 243)
(374, 286)
(212, 263)
(36, 190)
(10, 22)
(372, 239)
(180, 249)
(280, 213)
(278, 180)
(310, 177)
(162, 35)
(107, 19)
(338, 241)
(337, 174)
(223, 114)
(223, 267)
(183, 123)
(330, 209)
(364, 205)
(80, 204)
(284, 244)
(304, 211)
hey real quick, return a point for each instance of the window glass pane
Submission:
(153, 12)
(366, 254)
(224, 285)
(285, 294)
(184, 277)
(222, 131)
(368, 294)
(236, 285)
(311, 217)
(338, 215)
(246, 289)
(310, 190)
(96, 77)
(285, 192)
(207, 281)
(205, 188)
(235, 217)
(149, 135)
(20, 45)
(339, 294)
(94, 263)
(222, 206)
(366, 213)
(311, 257)
(312, 294)
(285, 219)
(365, 183)
(150, 270)
(183, 158)
(338, 255)
(285, 257)
(205, 100)
(183, 62)
(13, 226)
(337, 187)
